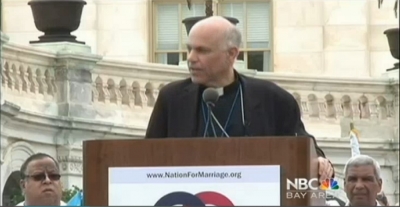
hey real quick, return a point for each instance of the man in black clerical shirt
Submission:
(245, 107)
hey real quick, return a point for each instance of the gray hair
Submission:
(363, 160)
(233, 37)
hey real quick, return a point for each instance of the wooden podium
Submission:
(296, 156)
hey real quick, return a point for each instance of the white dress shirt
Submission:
(23, 203)
(377, 204)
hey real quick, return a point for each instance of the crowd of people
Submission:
(245, 107)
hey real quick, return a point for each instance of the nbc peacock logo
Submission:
(329, 184)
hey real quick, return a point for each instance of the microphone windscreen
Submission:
(210, 96)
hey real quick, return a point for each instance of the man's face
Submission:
(362, 185)
(209, 57)
(42, 183)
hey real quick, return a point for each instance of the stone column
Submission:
(73, 73)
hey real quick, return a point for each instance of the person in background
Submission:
(40, 181)
(355, 151)
(362, 181)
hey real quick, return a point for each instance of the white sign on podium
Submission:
(253, 185)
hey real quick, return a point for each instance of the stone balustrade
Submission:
(27, 74)
(126, 91)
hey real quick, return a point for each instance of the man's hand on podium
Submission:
(325, 169)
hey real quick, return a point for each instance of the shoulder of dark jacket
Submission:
(174, 87)
(260, 87)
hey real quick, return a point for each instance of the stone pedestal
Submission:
(73, 75)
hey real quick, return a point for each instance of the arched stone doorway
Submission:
(11, 188)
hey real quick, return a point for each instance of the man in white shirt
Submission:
(362, 181)
(40, 181)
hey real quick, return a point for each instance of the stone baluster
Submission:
(107, 94)
(131, 97)
(143, 96)
(136, 94)
(364, 107)
(322, 108)
(34, 89)
(111, 88)
(355, 106)
(313, 106)
(10, 78)
(118, 95)
(382, 108)
(17, 79)
(24, 79)
(373, 110)
(150, 94)
(304, 109)
(330, 106)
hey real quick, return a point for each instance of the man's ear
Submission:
(233, 53)
(380, 184)
(22, 185)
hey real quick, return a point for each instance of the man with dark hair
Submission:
(40, 181)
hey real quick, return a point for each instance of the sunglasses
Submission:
(42, 177)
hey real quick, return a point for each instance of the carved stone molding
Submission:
(77, 159)
(71, 168)
(70, 159)
(70, 164)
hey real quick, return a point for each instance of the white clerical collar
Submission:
(220, 91)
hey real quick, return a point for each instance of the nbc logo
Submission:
(329, 184)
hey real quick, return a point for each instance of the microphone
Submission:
(210, 97)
